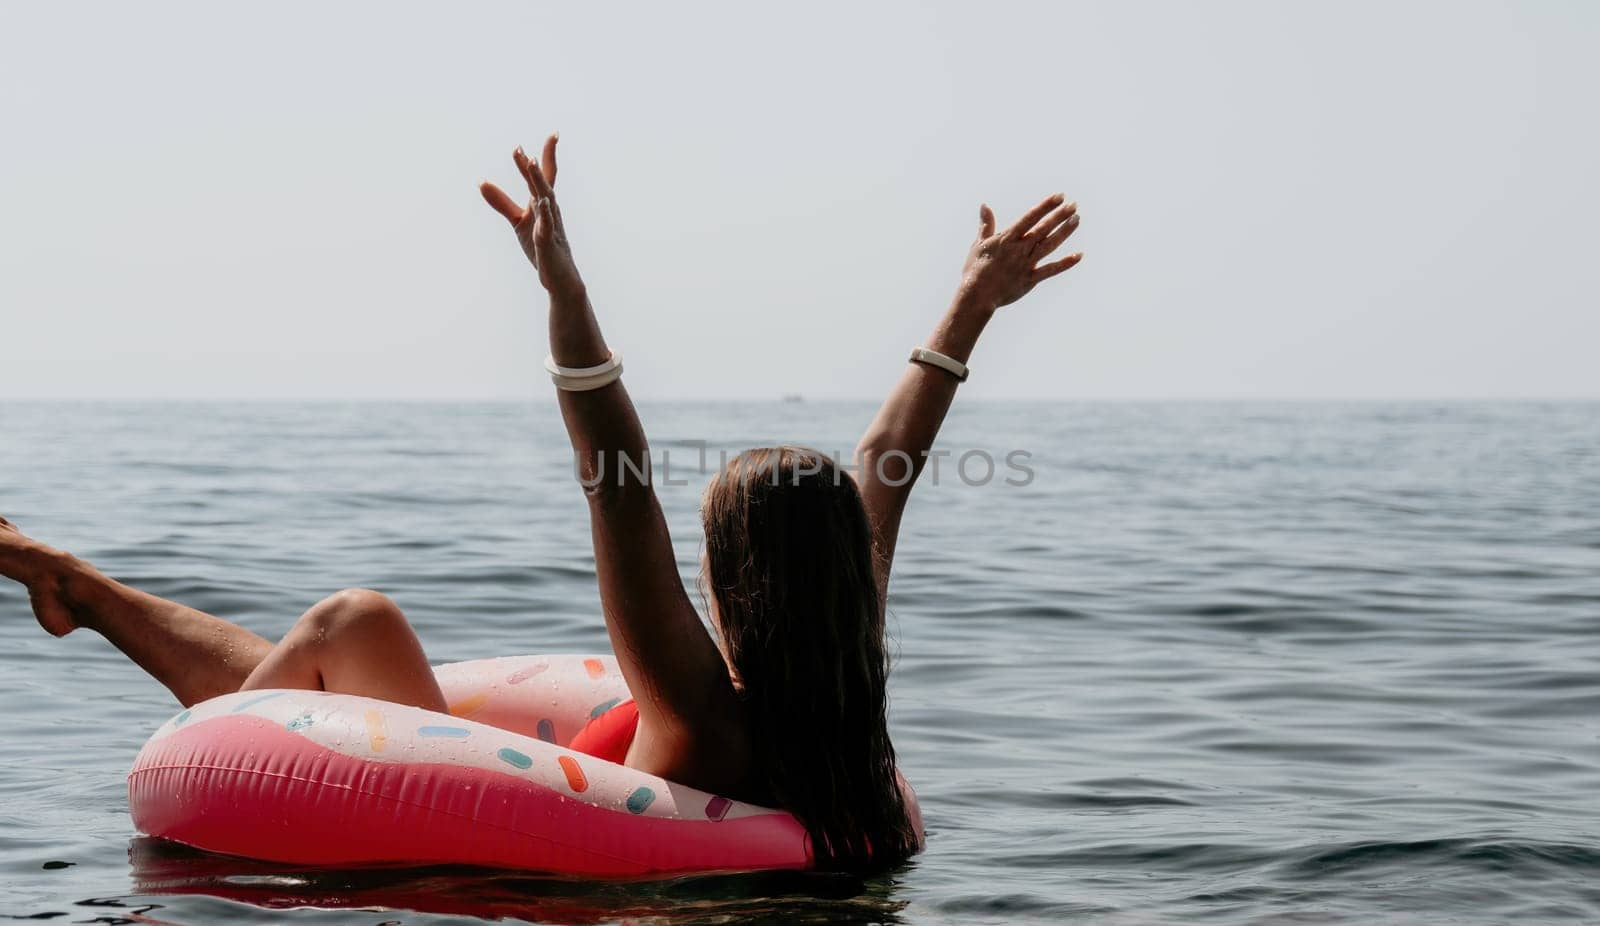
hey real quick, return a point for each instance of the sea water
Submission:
(1223, 663)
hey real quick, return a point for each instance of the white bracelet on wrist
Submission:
(935, 359)
(583, 379)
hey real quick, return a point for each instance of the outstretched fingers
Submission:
(1053, 240)
(538, 183)
(525, 168)
(547, 158)
(1046, 271)
(538, 177)
(1050, 223)
(502, 203)
(1021, 226)
(985, 222)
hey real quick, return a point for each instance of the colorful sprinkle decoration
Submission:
(522, 675)
(547, 730)
(376, 734)
(470, 706)
(641, 799)
(604, 706)
(512, 757)
(254, 701)
(575, 778)
(717, 808)
(454, 733)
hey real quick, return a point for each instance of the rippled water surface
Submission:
(1215, 663)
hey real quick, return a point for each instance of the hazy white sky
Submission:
(1280, 200)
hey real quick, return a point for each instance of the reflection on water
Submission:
(161, 867)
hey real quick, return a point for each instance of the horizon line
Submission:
(797, 399)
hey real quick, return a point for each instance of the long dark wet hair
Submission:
(790, 563)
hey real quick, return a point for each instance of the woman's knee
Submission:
(355, 609)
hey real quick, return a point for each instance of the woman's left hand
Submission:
(538, 224)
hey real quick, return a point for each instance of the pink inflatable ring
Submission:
(328, 779)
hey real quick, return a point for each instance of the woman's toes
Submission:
(21, 557)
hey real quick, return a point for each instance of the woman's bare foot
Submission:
(42, 570)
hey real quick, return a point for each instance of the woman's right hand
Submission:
(538, 225)
(1002, 268)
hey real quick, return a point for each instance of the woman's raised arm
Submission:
(671, 665)
(1000, 269)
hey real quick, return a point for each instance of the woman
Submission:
(785, 706)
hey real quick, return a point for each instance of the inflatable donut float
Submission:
(311, 777)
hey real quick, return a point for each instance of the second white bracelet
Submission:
(583, 379)
(944, 362)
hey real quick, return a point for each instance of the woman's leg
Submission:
(195, 654)
(356, 642)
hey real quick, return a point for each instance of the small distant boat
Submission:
(794, 397)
